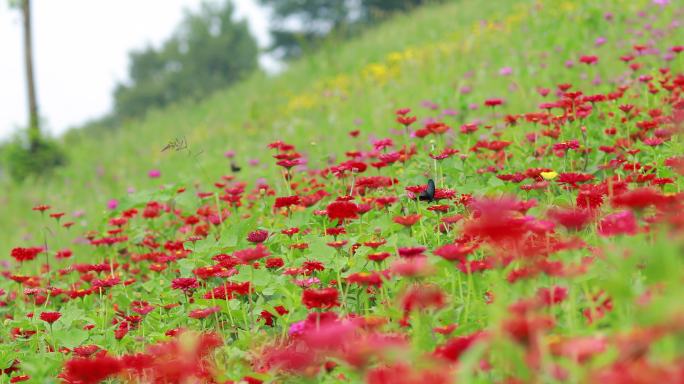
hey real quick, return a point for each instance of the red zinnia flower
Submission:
(413, 267)
(342, 210)
(378, 256)
(90, 371)
(202, 313)
(407, 221)
(286, 201)
(589, 196)
(573, 178)
(411, 252)
(554, 295)
(454, 252)
(185, 284)
(267, 317)
(274, 263)
(63, 254)
(338, 244)
(335, 231)
(228, 291)
(618, 224)
(251, 254)
(258, 236)
(50, 317)
(86, 350)
(375, 244)
(638, 199)
(493, 102)
(572, 219)
(287, 164)
(423, 296)
(41, 208)
(290, 231)
(437, 128)
(406, 120)
(365, 278)
(25, 254)
(440, 208)
(320, 298)
(588, 59)
(455, 347)
(497, 220)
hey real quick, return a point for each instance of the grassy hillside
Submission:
(518, 224)
(425, 56)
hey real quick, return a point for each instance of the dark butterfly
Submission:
(429, 193)
(234, 167)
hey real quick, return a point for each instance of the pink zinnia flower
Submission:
(620, 223)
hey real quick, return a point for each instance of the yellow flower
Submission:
(549, 175)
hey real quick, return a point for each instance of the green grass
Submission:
(314, 104)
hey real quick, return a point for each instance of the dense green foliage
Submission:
(23, 160)
(302, 25)
(209, 51)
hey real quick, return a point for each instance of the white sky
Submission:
(81, 51)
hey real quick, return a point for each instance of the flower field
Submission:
(497, 202)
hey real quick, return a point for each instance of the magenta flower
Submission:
(154, 173)
(619, 223)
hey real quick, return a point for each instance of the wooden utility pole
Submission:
(34, 121)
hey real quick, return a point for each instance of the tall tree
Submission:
(302, 24)
(375, 9)
(34, 121)
(208, 51)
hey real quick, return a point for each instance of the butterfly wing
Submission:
(429, 193)
(431, 190)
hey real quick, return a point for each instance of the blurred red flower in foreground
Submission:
(620, 223)
(90, 371)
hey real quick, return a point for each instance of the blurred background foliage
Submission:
(209, 51)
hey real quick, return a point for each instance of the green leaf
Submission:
(6, 356)
(69, 315)
(70, 338)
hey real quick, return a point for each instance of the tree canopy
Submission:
(302, 24)
(208, 51)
